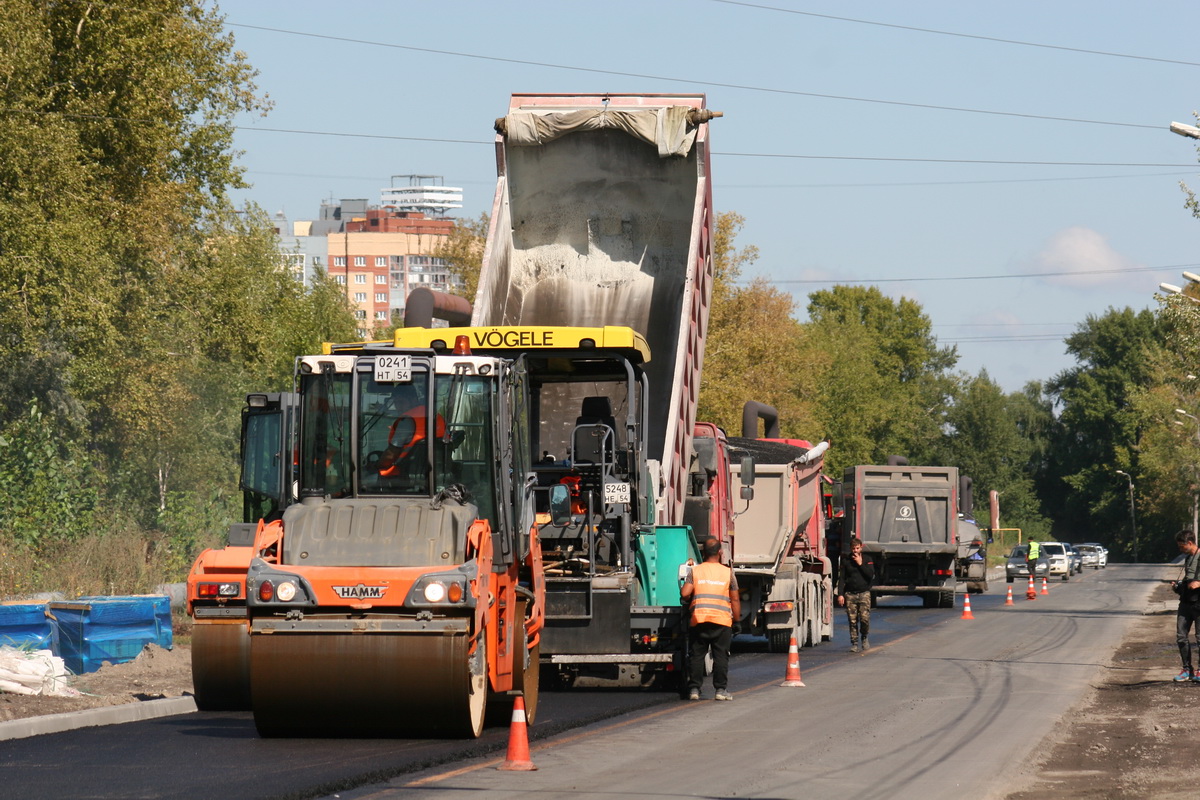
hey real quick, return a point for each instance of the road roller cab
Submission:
(399, 591)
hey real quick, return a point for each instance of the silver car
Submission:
(1090, 555)
(1101, 554)
(1018, 566)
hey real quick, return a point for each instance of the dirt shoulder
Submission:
(155, 674)
(1134, 734)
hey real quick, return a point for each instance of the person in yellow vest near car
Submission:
(712, 588)
(1032, 555)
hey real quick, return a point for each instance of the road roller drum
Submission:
(368, 685)
(221, 664)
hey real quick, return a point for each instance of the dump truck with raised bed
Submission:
(779, 549)
(399, 588)
(603, 217)
(907, 519)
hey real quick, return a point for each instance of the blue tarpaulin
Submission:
(92, 630)
(26, 626)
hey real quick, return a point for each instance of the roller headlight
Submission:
(286, 591)
(435, 592)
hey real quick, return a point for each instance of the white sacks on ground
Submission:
(33, 672)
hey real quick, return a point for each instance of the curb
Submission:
(108, 715)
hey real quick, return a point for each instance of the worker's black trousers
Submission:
(1187, 617)
(705, 636)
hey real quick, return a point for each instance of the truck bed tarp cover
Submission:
(667, 128)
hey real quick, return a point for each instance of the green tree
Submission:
(888, 385)
(463, 252)
(755, 349)
(988, 438)
(1099, 429)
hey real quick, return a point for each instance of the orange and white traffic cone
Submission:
(1045, 585)
(792, 678)
(518, 740)
(1008, 600)
(1031, 593)
(967, 607)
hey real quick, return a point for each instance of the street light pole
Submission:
(1132, 514)
(1185, 130)
(1195, 473)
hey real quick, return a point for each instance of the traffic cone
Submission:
(793, 666)
(518, 740)
(1008, 601)
(1031, 593)
(967, 607)
(1045, 585)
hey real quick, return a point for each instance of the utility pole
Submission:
(1132, 515)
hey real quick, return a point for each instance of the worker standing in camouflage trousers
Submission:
(855, 576)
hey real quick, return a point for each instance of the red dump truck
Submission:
(779, 548)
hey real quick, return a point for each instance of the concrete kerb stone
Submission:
(93, 717)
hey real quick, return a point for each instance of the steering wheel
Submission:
(371, 462)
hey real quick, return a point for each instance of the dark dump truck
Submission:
(908, 520)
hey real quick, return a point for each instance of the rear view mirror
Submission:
(747, 474)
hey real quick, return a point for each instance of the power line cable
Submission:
(1122, 271)
(691, 81)
(978, 37)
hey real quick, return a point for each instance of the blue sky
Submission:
(858, 149)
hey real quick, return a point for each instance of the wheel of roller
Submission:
(529, 681)
(221, 665)
(367, 685)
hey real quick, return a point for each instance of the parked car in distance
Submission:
(1018, 567)
(1060, 562)
(1101, 553)
(1076, 560)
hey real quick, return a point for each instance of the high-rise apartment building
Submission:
(378, 254)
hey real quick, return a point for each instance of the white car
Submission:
(1060, 561)
(1101, 554)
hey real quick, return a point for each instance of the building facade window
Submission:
(339, 261)
(381, 261)
(360, 261)
(360, 314)
(341, 279)
(381, 278)
(381, 316)
(317, 261)
(360, 278)
(381, 297)
(360, 297)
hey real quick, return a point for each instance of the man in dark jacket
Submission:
(1188, 589)
(855, 576)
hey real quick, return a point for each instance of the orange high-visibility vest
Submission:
(710, 602)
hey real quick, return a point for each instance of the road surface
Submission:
(940, 707)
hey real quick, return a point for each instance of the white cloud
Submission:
(1079, 257)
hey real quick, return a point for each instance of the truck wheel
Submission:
(779, 640)
(929, 600)
(946, 600)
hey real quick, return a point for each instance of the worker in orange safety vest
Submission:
(713, 591)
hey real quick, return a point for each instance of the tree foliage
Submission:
(463, 252)
(889, 383)
(137, 307)
(755, 349)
